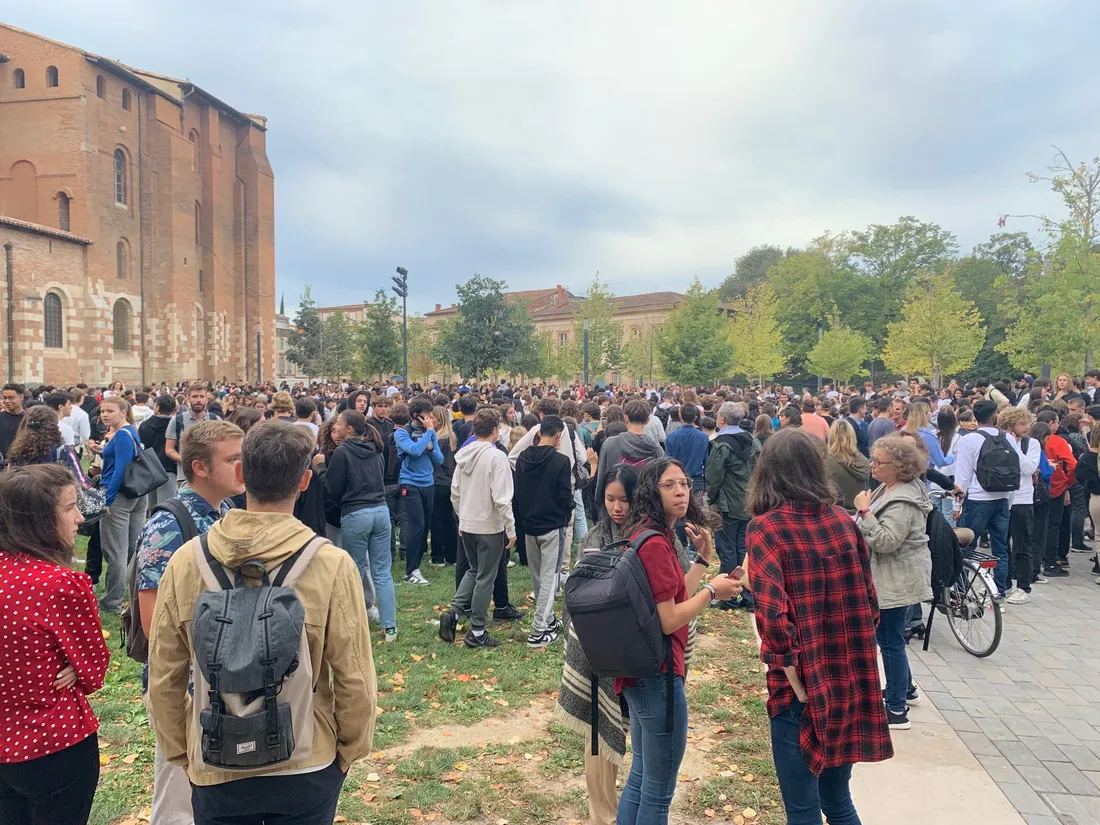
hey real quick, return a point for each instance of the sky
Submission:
(652, 142)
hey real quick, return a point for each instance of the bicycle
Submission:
(970, 601)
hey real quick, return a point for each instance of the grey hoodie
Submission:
(637, 448)
(481, 490)
(895, 534)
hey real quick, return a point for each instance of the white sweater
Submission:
(481, 490)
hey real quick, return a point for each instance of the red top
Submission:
(817, 610)
(48, 620)
(666, 580)
(1060, 454)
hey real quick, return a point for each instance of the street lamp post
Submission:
(586, 352)
(401, 287)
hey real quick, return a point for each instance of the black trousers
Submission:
(93, 562)
(1021, 522)
(501, 598)
(304, 799)
(419, 506)
(1038, 536)
(444, 527)
(1079, 510)
(1058, 526)
(51, 790)
(396, 505)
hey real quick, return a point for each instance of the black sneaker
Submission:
(1063, 563)
(898, 721)
(484, 640)
(1052, 570)
(447, 621)
(912, 698)
(507, 613)
(556, 627)
(1096, 568)
(543, 638)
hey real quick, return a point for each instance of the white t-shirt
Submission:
(141, 412)
(67, 433)
(392, 391)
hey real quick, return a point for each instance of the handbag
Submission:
(144, 473)
(90, 500)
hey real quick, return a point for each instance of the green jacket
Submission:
(733, 454)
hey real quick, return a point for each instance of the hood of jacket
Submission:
(857, 469)
(269, 538)
(637, 446)
(359, 447)
(739, 441)
(468, 458)
(913, 492)
(534, 459)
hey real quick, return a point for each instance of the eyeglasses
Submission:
(676, 483)
(876, 463)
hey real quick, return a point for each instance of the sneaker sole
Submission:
(913, 703)
(900, 725)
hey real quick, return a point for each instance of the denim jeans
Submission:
(657, 750)
(729, 543)
(990, 517)
(895, 661)
(805, 796)
(366, 538)
(580, 522)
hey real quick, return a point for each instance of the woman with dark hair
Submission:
(354, 480)
(816, 611)
(52, 654)
(663, 496)
(38, 439)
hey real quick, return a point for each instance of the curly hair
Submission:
(1009, 417)
(647, 511)
(39, 435)
(904, 456)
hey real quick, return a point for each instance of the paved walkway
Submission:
(1029, 713)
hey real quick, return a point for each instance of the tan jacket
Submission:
(330, 590)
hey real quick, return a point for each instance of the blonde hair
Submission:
(123, 407)
(282, 402)
(919, 415)
(443, 428)
(198, 442)
(1011, 416)
(518, 432)
(841, 443)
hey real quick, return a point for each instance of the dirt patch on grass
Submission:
(526, 724)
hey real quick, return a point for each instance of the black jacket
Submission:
(152, 432)
(544, 490)
(443, 473)
(95, 424)
(354, 478)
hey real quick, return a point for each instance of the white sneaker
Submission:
(511, 564)
(415, 577)
(391, 635)
(1017, 596)
(374, 615)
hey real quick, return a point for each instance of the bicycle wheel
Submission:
(974, 617)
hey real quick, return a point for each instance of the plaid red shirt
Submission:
(817, 610)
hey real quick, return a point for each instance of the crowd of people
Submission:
(216, 505)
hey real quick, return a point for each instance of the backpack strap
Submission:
(213, 573)
(643, 537)
(291, 569)
(178, 509)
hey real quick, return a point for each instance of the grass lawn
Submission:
(469, 736)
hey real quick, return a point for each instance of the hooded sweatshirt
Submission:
(544, 493)
(850, 478)
(733, 454)
(481, 490)
(629, 446)
(417, 461)
(330, 590)
(354, 476)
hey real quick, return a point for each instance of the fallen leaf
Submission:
(436, 705)
(727, 808)
(739, 820)
(719, 729)
(106, 634)
(684, 777)
(378, 755)
(726, 774)
(105, 758)
(502, 702)
(461, 766)
(708, 812)
(129, 759)
(432, 817)
(464, 677)
(131, 821)
(528, 756)
(500, 760)
(451, 777)
(416, 657)
(749, 813)
(373, 777)
(502, 822)
(415, 812)
(340, 818)
(369, 797)
(748, 777)
(498, 787)
(722, 797)
(391, 768)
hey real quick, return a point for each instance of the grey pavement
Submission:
(1028, 713)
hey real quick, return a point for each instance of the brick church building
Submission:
(136, 223)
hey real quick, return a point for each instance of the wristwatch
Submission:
(713, 593)
(863, 513)
(701, 561)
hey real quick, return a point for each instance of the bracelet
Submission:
(710, 587)
(862, 513)
(703, 562)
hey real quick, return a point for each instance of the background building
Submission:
(137, 222)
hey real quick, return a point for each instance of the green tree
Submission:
(1011, 250)
(750, 269)
(899, 251)
(985, 283)
(1055, 319)
(605, 333)
(304, 341)
(487, 332)
(693, 346)
(422, 363)
(641, 356)
(940, 332)
(337, 357)
(379, 337)
(758, 346)
(841, 352)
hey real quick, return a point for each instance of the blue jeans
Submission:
(990, 517)
(365, 535)
(657, 750)
(895, 661)
(580, 523)
(805, 796)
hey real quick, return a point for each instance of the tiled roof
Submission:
(624, 303)
(531, 295)
(39, 229)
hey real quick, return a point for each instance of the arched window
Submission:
(121, 318)
(126, 99)
(120, 176)
(193, 136)
(198, 224)
(122, 252)
(54, 319)
(100, 86)
(63, 211)
(51, 77)
(18, 79)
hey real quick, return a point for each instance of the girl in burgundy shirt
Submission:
(663, 496)
(52, 653)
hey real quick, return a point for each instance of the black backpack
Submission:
(610, 603)
(581, 472)
(943, 544)
(998, 466)
(662, 415)
(134, 640)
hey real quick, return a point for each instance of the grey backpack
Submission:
(253, 676)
